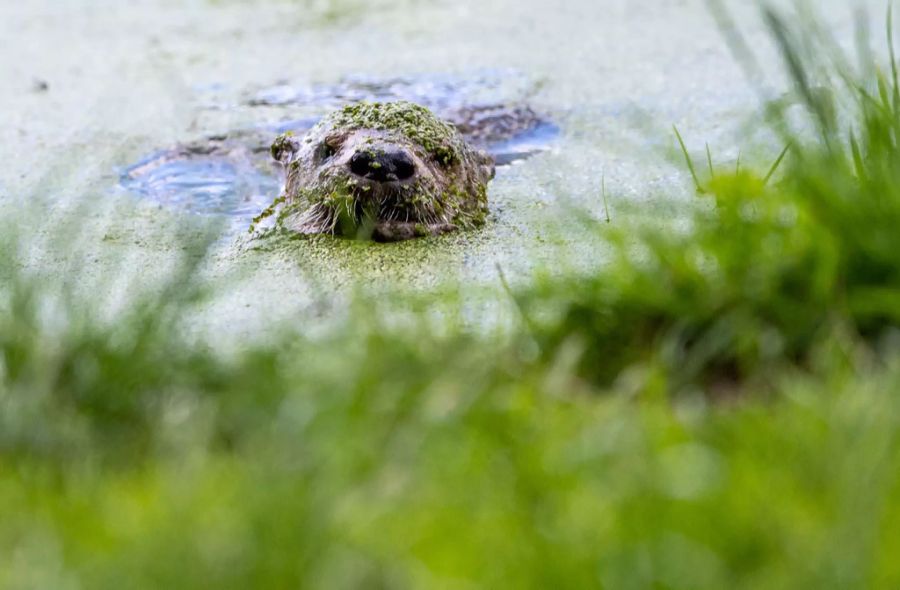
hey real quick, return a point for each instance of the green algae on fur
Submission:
(345, 176)
(414, 121)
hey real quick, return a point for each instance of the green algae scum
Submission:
(385, 170)
(687, 384)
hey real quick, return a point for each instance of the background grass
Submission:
(715, 408)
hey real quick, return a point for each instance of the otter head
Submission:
(387, 171)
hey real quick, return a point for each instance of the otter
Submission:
(385, 171)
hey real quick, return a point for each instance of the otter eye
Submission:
(326, 150)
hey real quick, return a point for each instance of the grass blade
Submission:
(776, 164)
(893, 57)
(605, 202)
(517, 302)
(688, 160)
(857, 157)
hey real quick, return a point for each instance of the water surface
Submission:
(125, 79)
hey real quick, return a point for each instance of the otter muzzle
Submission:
(383, 165)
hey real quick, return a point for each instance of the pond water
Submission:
(93, 86)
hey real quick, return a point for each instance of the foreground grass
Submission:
(716, 408)
(360, 461)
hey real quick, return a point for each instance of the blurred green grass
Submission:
(715, 408)
(771, 267)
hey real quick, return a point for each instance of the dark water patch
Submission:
(438, 92)
(530, 142)
(205, 184)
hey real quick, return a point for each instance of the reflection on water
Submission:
(201, 184)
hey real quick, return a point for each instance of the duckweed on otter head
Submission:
(387, 171)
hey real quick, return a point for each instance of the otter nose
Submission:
(382, 166)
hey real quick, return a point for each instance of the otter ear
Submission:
(488, 164)
(284, 147)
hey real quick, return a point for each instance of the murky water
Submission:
(91, 87)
